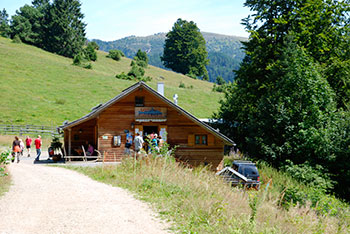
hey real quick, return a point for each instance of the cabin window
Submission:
(139, 101)
(201, 139)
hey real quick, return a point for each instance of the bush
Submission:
(136, 71)
(123, 76)
(77, 59)
(115, 54)
(314, 176)
(4, 160)
(141, 58)
(94, 45)
(219, 88)
(16, 39)
(88, 66)
(182, 85)
(90, 53)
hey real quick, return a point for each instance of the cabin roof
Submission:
(101, 107)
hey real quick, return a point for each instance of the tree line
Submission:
(289, 104)
(55, 26)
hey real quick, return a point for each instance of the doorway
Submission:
(150, 129)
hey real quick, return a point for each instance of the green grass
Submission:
(5, 179)
(38, 87)
(197, 201)
(5, 182)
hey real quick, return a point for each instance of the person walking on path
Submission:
(138, 141)
(16, 149)
(21, 145)
(28, 144)
(38, 144)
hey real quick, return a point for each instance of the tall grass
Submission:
(197, 201)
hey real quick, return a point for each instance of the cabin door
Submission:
(150, 129)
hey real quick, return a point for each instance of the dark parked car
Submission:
(242, 173)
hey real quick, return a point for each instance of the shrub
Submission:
(314, 176)
(182, 85)
(77, 59)
(219, 88)
(136, 71)
(88, 66)
(115, 54)
(4, 160)
(141, 58)
(90, 53)
(16, 39)
(123, 76)
(144, 78)
(94, 45)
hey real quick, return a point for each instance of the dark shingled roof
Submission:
(99, 108)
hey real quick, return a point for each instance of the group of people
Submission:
(18, 147)
(88, 148)
(149, 143)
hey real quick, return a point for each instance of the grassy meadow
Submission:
(198, 201)
(38, 87)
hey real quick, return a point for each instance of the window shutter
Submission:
(211, 140)
(191, 140)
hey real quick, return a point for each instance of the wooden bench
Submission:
(68, 158)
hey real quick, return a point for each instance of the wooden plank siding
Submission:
(120, 116)
(80, 134)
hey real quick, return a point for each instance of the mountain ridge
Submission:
(224, 51)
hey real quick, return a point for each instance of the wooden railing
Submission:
(27, 129)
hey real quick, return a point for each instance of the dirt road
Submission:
(55, 200)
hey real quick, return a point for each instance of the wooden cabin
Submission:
(140, 108)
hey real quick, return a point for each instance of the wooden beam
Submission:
(69, 141)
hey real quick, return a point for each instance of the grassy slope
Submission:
(197, 201)
(37, 87)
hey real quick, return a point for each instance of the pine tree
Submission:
(27, 24)
(4, 24)
(185, 51)
(64, 28)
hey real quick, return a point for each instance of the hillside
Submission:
(38, 87)
(224, 52)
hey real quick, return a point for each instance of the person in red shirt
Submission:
(28, 144)
(38, 143)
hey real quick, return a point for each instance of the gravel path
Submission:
(56, 200)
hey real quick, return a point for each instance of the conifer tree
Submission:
(64, 28)
(185, 51)
(4, 24)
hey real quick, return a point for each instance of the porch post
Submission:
(69, 141)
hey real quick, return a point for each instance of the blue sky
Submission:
(114, 19)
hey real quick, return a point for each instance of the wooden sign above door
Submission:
(150, 113)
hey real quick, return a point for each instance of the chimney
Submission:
(160, 88)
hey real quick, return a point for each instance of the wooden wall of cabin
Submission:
(81, 133)
(120, 116)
